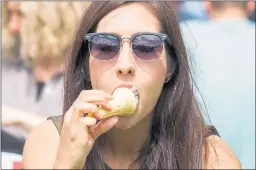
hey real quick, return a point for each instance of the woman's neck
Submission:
(126, 144)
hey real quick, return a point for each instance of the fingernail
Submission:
(106, 105)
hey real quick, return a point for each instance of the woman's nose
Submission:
(126, 70)
(125, 62)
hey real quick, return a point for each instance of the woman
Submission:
(135, 44)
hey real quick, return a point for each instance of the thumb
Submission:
(103, 126)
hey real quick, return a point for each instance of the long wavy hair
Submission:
(177, 138)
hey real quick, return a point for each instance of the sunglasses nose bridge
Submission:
(123, 39)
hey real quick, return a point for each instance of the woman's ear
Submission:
(168, 78)
(171, 66)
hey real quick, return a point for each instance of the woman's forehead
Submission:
(129, 19)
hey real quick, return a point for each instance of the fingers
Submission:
(97, 114)
(106, 105)
(103, 126)
(78, 109)
(88, 121)
(75, 128)
(87, 103)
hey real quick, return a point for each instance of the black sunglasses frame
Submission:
(162, 36)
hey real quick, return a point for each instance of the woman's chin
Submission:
(124, 122)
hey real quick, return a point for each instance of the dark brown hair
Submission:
(177, 134)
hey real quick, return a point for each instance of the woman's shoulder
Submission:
(220, 154)
(41, 147)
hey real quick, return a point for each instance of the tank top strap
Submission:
(57, 121)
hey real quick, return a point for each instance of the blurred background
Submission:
(219, 38)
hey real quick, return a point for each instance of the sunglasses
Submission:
(145, 46)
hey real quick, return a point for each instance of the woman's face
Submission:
(147, 76)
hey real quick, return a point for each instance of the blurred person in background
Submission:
(10, 30)
(34, 92)
(224, 52)
(11, 15)
(191, 10)
(252, 17)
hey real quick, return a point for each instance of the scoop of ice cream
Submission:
(124, 103)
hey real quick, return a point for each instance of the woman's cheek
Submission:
(98, 70)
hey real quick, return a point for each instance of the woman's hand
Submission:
(78, 132)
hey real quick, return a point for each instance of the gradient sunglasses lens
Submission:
(104, 46)
(147, 46)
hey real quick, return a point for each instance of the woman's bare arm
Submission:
(41, 147)
(220, 155)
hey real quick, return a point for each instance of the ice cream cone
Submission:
(124, 103)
